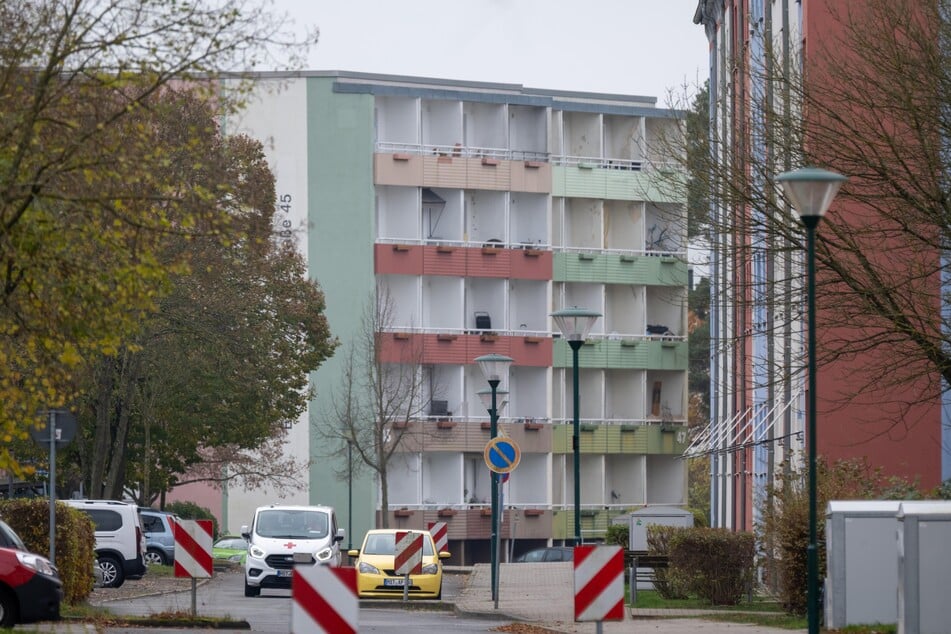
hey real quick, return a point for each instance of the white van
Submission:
(120, 543)
(281, 537)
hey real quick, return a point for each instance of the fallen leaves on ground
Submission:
(523, 628)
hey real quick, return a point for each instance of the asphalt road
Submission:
(271, 612)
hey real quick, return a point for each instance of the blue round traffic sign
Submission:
(502, 455)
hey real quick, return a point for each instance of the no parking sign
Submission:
(502, 454)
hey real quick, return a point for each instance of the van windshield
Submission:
(292, 524)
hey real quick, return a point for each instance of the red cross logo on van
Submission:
(289, 545)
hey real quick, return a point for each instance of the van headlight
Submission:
(257, 552)
(430, 569)
(324, 555)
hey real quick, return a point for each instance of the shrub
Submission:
(783, 528)
(658, 543)
(713, 563)
(192, 511)
(618, 535)
(75, 540)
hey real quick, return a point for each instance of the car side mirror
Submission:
(245, 532)
(444, 554)
(353, 553)
(341, 533)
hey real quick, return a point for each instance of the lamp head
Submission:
(811, 190)
(501, 399)
(494, 367)
(575, 323)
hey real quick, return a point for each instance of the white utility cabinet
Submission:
(924, 567)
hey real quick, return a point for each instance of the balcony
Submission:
(462, 167)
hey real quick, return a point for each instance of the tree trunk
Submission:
(384, 497)
(101, 437)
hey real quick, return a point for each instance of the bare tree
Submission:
(872, 101)
(382, 389)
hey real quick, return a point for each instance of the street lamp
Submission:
(811, 191)
(494, 367)
(575, 324)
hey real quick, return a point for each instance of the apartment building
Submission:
(480, 209)
(758, 355)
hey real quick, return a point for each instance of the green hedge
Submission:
(667, 582)
(192, 511)
(713, 563)
(618, 535)
(75, 540)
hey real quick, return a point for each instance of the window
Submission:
(293, 524)
(385, 544)
(153, 524)
(105, 520)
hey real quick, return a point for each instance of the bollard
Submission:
(633, 579)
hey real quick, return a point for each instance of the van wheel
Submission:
(112, 575)
(8, 609)
(251, 591)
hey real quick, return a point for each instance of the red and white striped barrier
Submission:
(440, 533)
(408, 559)
(599, 583)
(193, 548)
(324, 599)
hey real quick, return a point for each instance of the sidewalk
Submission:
(543, 594)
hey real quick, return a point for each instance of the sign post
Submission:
(501, 456)
(60, 429)
(193, 543)
(408, 557)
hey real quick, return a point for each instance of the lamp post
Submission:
(811, 191)
(495, 402)
(575, 324)
(494, 367)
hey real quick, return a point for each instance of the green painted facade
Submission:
(635, 354)
(341, 235)
(621, 439)
(589, 182)
(611, 268)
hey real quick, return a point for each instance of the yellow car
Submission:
(376, 577)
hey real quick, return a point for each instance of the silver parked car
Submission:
(159, 536)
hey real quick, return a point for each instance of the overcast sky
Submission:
(632, 47)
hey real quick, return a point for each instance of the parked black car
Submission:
(551, 553)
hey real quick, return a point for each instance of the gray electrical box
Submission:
(861, 585)
(924, 567)
(861, 562)
(663, 515)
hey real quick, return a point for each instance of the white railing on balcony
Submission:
(597, 162)
(639, 165)
(614, 336)
(464, 151)
(442, 242)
